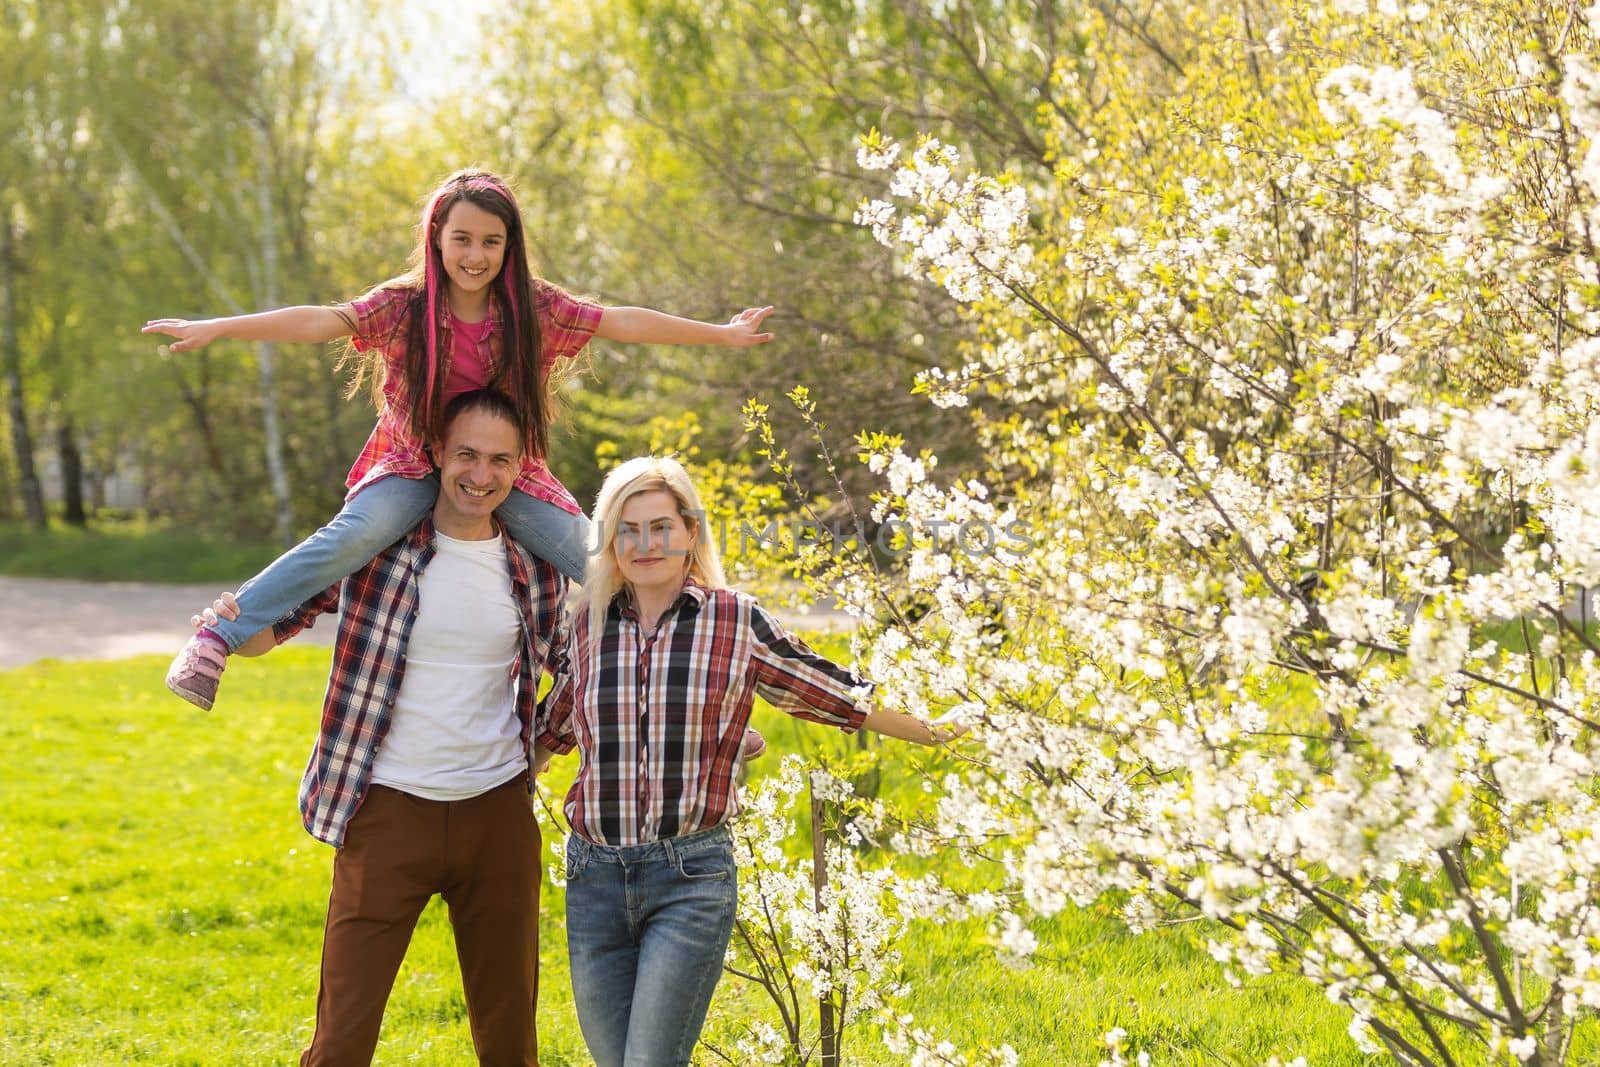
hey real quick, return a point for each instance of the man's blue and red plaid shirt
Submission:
(377, 606)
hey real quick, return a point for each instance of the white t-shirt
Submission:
(454, 732)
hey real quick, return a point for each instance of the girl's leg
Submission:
(601, 947)
(556, 536)
(371, 521)
(689, 898)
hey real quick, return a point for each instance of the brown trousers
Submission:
(482, 855)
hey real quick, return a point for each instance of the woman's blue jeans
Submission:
(647, 929)
(370, 522)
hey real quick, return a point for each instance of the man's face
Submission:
(477, 465)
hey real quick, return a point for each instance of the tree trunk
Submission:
(71, 473)
(827, 1024)
(333, 448)
(283, 524)
(209, 446)
(21, 442)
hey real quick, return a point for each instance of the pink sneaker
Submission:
(197, 670)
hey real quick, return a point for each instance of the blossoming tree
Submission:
(1271, 603)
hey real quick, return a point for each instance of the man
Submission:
(421, 772)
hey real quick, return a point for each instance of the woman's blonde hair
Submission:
(642, 474)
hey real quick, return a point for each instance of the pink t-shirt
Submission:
(470, 356)
(565, 324)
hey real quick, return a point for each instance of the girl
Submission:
(655, 690)
(468, 314)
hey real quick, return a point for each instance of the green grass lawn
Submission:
(160, 904)
(127, 551)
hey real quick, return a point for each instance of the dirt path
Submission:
(48, 617)
(43, 618)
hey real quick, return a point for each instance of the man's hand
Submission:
(224, 607)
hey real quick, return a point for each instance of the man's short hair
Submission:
(489, 402)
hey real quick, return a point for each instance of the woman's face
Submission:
(653, 540)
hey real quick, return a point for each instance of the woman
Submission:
(660, 673)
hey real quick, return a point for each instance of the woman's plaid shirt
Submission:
(659, 717)
(377, 607)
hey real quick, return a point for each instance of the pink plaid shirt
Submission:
(565, 323)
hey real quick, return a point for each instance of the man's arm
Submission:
(552, 725)
(258, 644)
(263, 641)
(226, 607)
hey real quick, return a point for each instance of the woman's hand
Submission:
(190, 334)
(905, 727)
(743, 330)
(948, 727)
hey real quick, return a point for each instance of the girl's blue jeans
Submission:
(647, 928)
(370, 522)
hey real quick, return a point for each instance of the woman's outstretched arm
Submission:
(910, 728)
(796, 679)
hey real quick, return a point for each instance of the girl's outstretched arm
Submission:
(293, 325)
(644, 326)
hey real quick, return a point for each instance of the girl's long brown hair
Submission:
(520, 372)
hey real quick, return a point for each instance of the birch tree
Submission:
(215, 127)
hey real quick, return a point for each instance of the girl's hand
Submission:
(743, 329)
(224, 607)
(190, 335)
